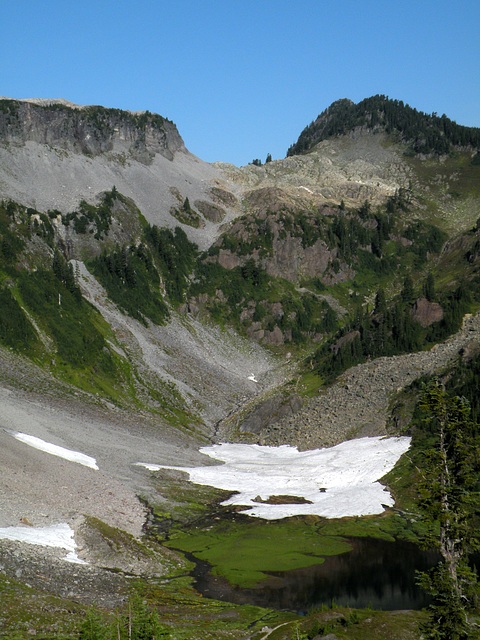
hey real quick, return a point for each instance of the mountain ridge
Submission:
(91, 130)
(52, 157)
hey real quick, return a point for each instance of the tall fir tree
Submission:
(450, 500)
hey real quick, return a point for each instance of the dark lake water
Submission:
(375, 573)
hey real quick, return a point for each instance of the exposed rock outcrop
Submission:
(281, 246)
(91, 130)
(426, 313)
(273, 408)
(346, 339)
(210, 211)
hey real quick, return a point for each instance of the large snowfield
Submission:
(335, 482)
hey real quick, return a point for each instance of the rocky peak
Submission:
(422, 132)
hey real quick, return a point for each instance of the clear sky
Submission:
(242, 79)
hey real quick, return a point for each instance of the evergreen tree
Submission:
(377, 245)
(59, 265)
(186, 206)
(65, 273)
(407, 292)
(92, 627)
(450, 499)
(329, 322)
(380, 302)
(429, 288)
(143, 622)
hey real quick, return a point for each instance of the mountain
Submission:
(91, 130)
(56, 154)
(151, 303)
(423, 133)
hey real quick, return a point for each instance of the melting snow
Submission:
(56, 535)
(338, 481)
(67, 454)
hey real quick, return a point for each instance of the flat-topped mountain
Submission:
(54, 154)
(91, 130)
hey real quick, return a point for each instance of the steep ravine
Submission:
(210, 368)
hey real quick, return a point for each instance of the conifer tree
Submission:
(380, 302)
(449, 500)
(92, 627)
(407, 292)
(430, 288)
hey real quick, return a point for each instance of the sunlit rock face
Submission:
(90, 130)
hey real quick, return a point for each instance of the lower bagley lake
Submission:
(375, 573)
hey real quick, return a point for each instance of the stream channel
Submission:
(375, 573)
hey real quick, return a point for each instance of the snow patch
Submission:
(56, 535)
(61, 452)
(337, 482)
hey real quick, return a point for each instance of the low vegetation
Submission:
(255, 556)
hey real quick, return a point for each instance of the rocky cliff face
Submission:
(426, 313)
(281, 246)
(91, 130)
(54, 154)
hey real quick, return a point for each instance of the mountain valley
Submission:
(152, 304)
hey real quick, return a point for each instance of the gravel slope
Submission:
(358, 404)
(47, 178)
(210, 367)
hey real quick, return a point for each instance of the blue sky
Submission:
(242, 79)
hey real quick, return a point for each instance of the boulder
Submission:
(270, 411)
(426, 313)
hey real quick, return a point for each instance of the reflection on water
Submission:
(375, 573)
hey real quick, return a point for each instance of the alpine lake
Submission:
(299, 564)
